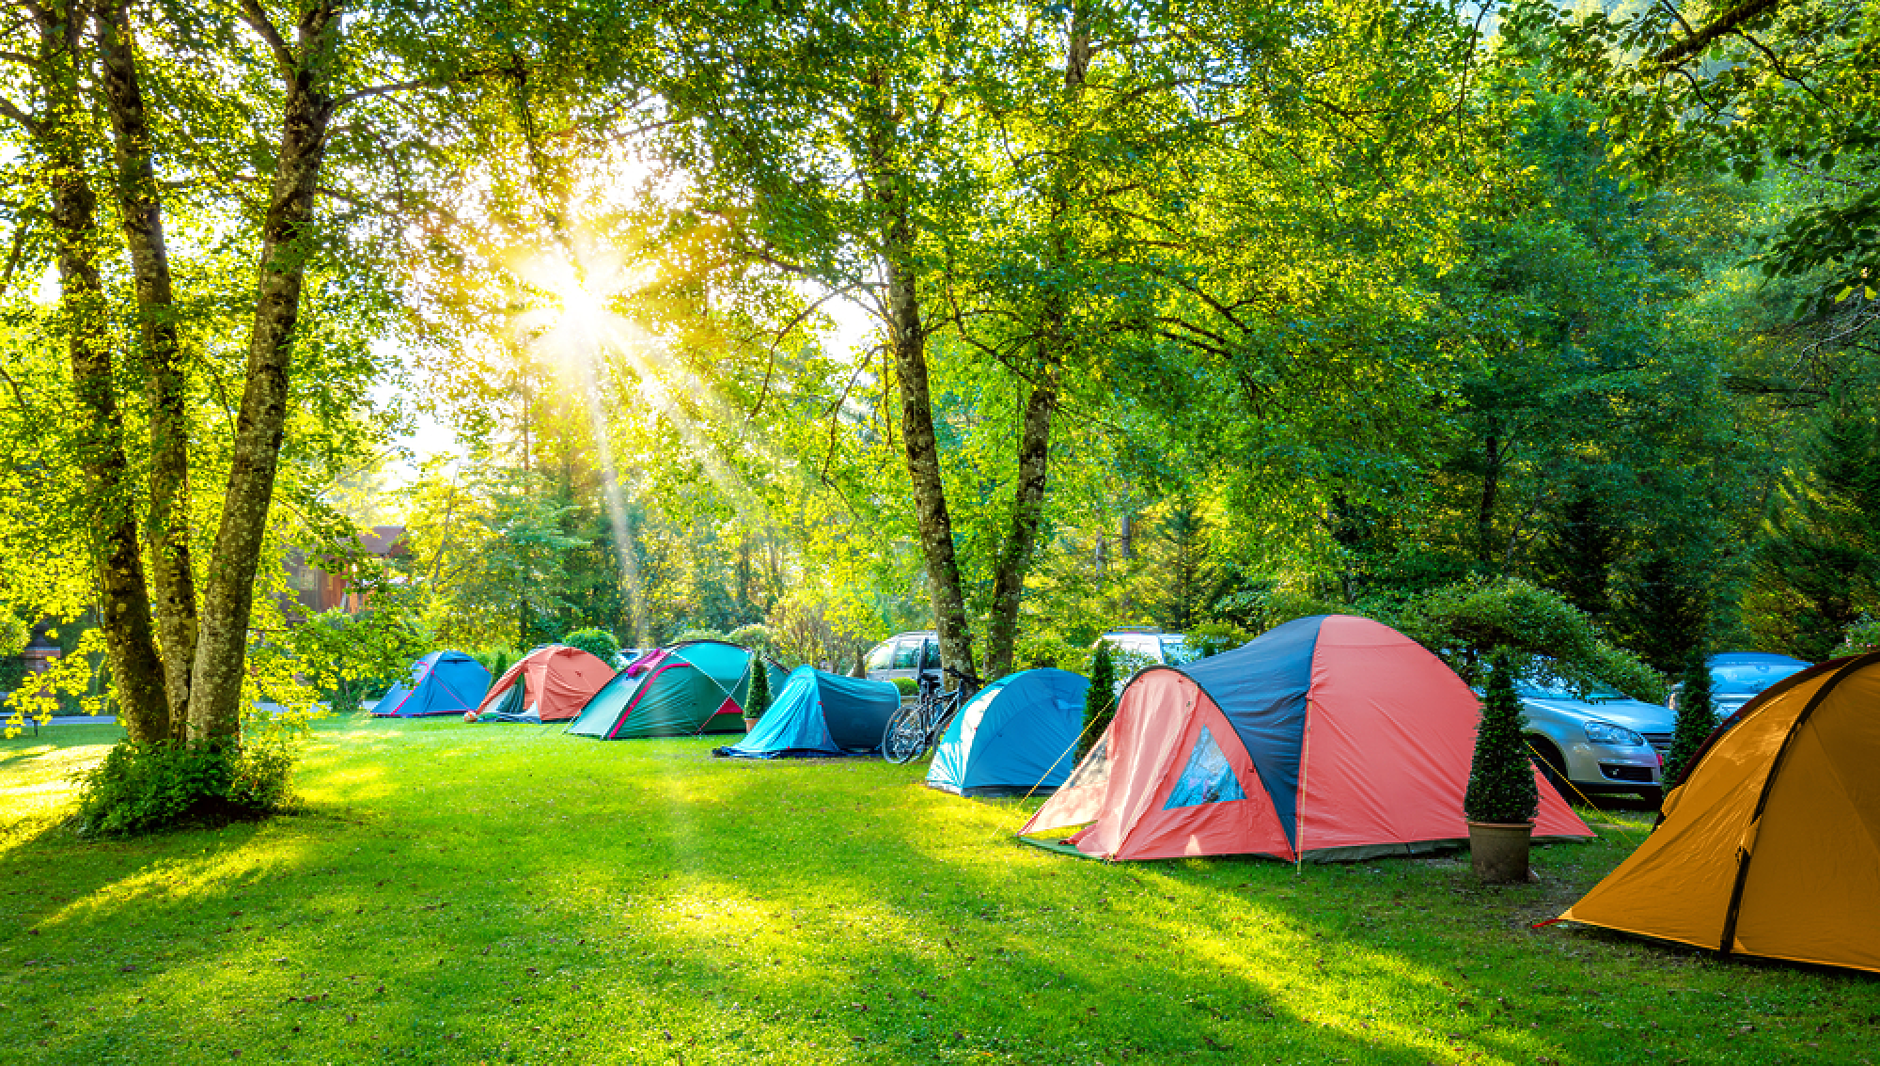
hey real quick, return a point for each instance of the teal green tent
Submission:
(685, 690)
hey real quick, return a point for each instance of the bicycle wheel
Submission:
(904, 739)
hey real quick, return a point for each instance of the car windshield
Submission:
(1558, 689)
(1751, 677)
(1176, 652)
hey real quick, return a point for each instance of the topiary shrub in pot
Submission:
(1502, 797)
(757, 700)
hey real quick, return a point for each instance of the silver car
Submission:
(1594, 741)
(906, 655)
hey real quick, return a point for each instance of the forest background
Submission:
(1492, 323)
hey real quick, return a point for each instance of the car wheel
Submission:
(1547, 757)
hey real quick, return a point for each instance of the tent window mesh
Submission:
(1207, 778)
(1094, 770)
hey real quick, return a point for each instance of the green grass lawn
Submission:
(494, 894)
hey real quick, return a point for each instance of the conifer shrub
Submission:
(1697, 718)
(757, 701)
(596, 642)
(1099, 699)
(1501, 779)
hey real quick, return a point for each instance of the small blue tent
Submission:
(443, 682)
(819, 713)
(1016, 736)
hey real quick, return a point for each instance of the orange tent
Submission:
(550, 684)
(1770, 846)
(1328, 738)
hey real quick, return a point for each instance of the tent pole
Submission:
(1299, 804)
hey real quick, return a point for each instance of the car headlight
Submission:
(1607, 733)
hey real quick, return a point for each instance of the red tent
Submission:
(550, 684)
(1330, 737)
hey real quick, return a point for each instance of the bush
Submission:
(1033, 652)
(1543, 634)
(596, 642)
(1860, 638)
(907, 685)
(496, 660)
(757, 637)
(1501, 780)
(1213, 638)
(147, 788)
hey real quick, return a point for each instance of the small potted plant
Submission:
(757, 701)
(1502, 797)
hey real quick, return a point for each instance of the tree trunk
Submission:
(124, 601)
(1054, 337)
(1485, 508)
(221, 652)
(141, 211)
(908, 341)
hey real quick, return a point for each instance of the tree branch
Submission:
(257, 20)
(1726, 23)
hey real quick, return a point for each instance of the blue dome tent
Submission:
(443, 682)
(819, 713)
(1019, 734)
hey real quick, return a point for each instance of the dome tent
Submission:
(1016, 735)
(443, 682)
(1328, 738)
(550, 684)
(819, 713)
(1770, 843)
(687, 689)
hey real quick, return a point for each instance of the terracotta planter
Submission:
(751, 723)
(1499, 852)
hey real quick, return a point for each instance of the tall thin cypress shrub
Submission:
(757, 700)
(1099, 699)
(1697, 717)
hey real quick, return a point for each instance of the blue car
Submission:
(1736, 677)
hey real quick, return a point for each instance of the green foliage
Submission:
(349, 656)
(1213, 638)
(1861, 637)
(13, 633)
(700, 634)
(907, 686)
(1818, 559)
(758, 700)
(1697, 717)
(1501, 779)
(1099, 699)
(1543, 633)
(496, 660)
(148, 788)
(596, 642)
(756, 636)
(1035, 650)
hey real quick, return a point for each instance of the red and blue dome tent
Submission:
(550, 684)
(443, 682)
(1328, 738)
(1017, 735)
(688, 689)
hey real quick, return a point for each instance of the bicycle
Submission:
(913, 729)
